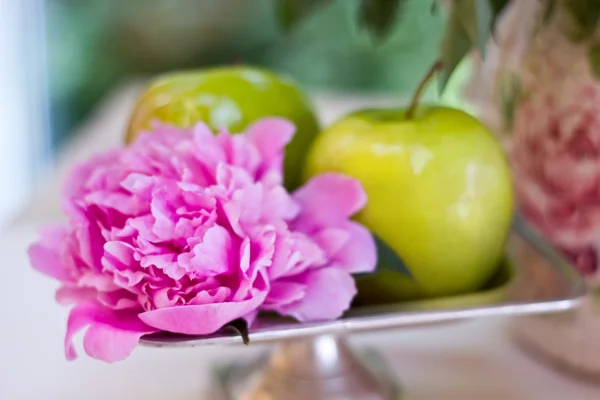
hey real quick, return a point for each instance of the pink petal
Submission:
(306, 254)
(111, 344)
(80, 317)
(278, 204)
(81, 174)
(122, 202)
(139, 184)
(90, 241)
(208, 150)
(270, 136)
(212, 255)
(106, 344)
(329, 292)
(250, 200)
(200, 319)
(217, 295)
(242, 154)
(164, 214)
(329, 199)
(332, 240)
(118, 300)
(283, 293)
(68, 295)
(250, 318)
(47, 261)
(359, 254)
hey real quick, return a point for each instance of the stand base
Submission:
(321, 368)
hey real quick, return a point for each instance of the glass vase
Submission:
(538, 87)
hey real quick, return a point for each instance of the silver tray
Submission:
(314, 362)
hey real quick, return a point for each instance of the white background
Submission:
(23, 120)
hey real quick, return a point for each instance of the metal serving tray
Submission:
(313, 362)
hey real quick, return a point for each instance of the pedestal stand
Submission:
(317, 368)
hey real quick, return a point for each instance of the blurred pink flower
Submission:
(555, 154)
(185, 231)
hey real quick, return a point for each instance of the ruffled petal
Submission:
(283, 293)
(327, 200)
(329, 292)
(45, 255)
(112, 332)
(111, 344)
(201, 319)
(359, 254)
(270, 136)
(68, 295)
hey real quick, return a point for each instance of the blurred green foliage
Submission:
(93, 45)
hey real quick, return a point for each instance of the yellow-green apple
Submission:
(229, 97)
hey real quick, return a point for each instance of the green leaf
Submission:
(475, 23)
(291, 12)
(497, 7)
(387, 259)
(548, 11)
(586, 15)
(510, 95)
(455, 45)
(241, 327)
(378, 16)
(594, 59)
(485, 18)
(479, 18)
(434, 7)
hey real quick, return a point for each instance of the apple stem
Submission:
(419, 92)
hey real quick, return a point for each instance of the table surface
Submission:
(469, 360)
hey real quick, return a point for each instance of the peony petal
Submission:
(166, 262)
(281, 255)
(278, 204)
(359, 254)
(329, 199)
(68, 295)
(250, 318)
(121, 202)
(80, 317)
(118, 299)
(111, 344)
(213, 255)
(118, 256)
(207, 148)
(104, 344)
(89, 239)
(164, 214)
(283, 293)
(139, 184)
(47, 261)
(270, 136)
(306, 254)
(250, 200)
(242, 154)
(216, 295)
(332, 240)
(97, 280)
(200, 319)
(82, 175)
(329, 292)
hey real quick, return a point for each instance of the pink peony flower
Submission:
(185, 231)
(555, 154)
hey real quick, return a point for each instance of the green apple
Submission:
(439, 195)
(229, 97)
